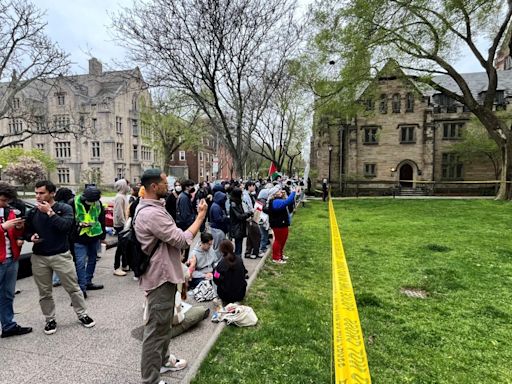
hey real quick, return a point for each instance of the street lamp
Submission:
(330, 153)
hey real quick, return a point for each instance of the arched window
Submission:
(395, 103)
(383, 105)
(410, 103)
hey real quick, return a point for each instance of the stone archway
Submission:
(406, 175)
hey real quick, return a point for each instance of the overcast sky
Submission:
(81, 28)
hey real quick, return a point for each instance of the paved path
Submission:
(106, 354)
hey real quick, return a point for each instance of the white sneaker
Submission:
(280, 261)
(284, 257)
(135, 278)
(173, 365)
(119, 272)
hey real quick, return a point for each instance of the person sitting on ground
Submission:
(201, 260)
(229, 275)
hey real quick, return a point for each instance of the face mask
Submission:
(177, 188)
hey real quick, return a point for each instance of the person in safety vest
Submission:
(89, 232)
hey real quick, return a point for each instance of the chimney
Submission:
(95, 67)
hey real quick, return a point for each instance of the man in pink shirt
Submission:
(155, 227)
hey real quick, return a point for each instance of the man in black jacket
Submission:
(48, 226)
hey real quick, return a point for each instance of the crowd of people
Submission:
(67, 232)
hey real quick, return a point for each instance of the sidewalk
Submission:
(105, 354)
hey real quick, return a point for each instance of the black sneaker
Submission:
(50, 327)
(16, 331)
(87, 322)
(94, 287)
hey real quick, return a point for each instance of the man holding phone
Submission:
(11, 231)
(47, 226)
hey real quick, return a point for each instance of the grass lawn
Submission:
(459, 252)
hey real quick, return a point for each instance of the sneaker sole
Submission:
(88, 325)
(50, 332)
(164, 370)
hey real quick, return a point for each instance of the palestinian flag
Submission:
(272, 170)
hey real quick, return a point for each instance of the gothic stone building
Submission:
(106, 106)
(404, 139)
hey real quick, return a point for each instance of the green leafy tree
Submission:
(12, 155)
(476, 144)
(26, 171)
(425, 38)
(170, 124)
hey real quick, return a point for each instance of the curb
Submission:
(194, 368)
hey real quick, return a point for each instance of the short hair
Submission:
(187, 183)
(206, 237)
(150, 176)
(50, 187)
(249, 184)
(8, 191)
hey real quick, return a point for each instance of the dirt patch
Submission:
(415, 293)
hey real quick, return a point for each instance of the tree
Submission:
(425, 38)
(228, 56)
(26, 171)
(12, 155)
(171, 123)
(281, 133)
(28, 58)
(476, 144)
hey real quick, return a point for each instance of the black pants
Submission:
(253, 239)
(120, 257)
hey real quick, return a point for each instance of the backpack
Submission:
(137, 258)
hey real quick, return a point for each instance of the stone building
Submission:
(105, 107)
(403, 138)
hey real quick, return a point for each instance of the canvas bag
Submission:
(204, 291)
(240, 315)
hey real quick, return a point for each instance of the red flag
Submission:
(272, 169)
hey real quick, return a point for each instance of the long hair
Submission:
(228, 253)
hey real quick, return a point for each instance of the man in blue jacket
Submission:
(219, 221)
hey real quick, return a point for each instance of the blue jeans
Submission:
(86, 253)
(264, 239)
(238, 246)
(8, 275)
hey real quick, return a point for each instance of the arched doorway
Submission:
(406, 174)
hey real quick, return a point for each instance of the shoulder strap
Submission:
(133, 229)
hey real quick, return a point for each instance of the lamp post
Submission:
(1, 167)
(330, 153)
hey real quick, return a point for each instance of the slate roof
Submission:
(477, 83)
(108, 84)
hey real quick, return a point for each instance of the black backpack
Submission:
(137, 258)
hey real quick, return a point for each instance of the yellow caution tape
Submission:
(350, 361)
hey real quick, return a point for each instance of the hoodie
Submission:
(218, 218)
(204, 261)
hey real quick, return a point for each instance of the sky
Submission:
(81, 28)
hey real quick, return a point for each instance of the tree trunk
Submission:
(504, 192)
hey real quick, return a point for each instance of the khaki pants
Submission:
(42, 270)
(157, 332)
